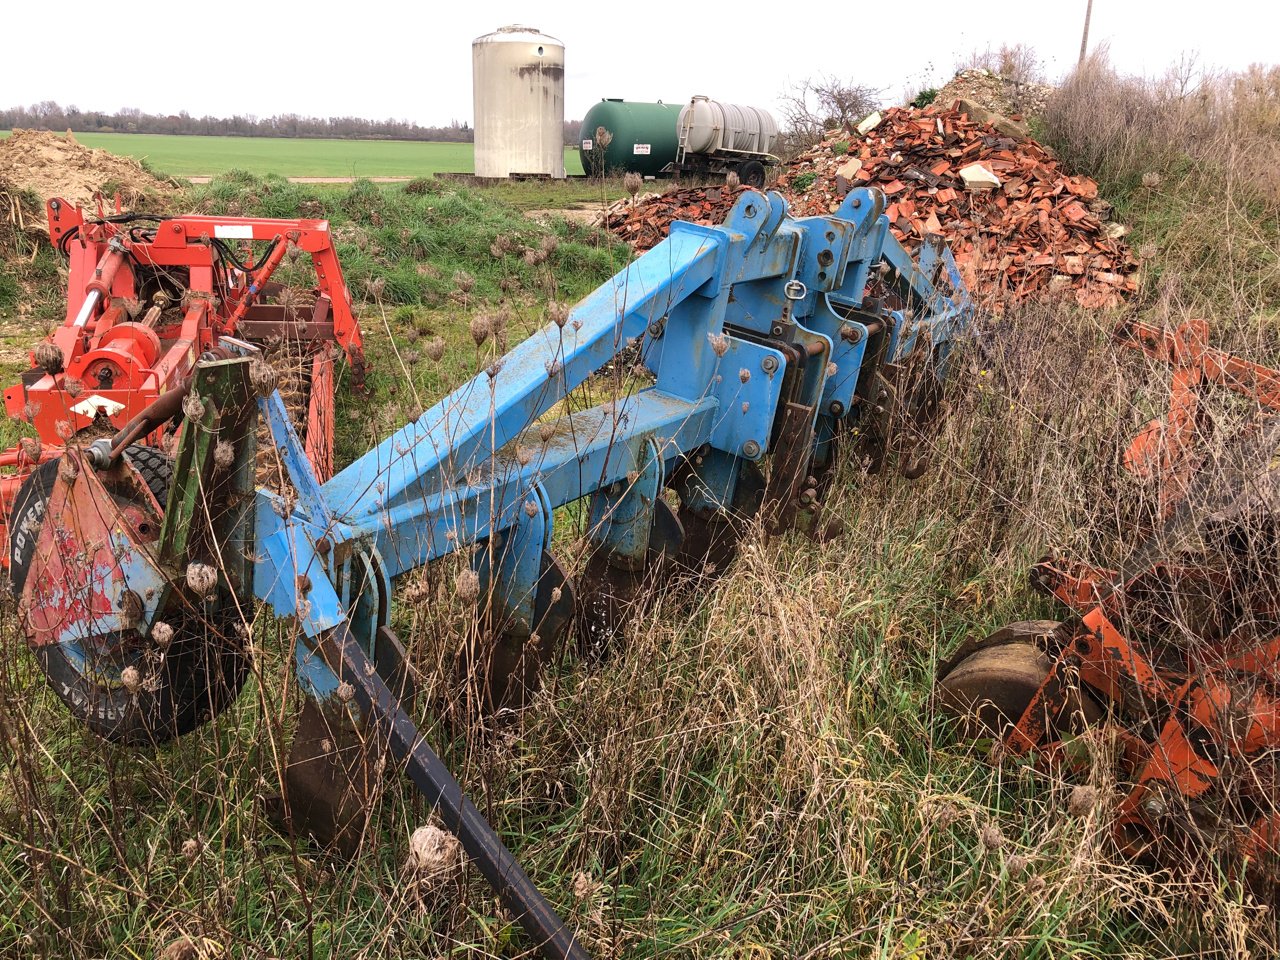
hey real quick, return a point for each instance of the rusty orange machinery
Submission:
(147, 295)
(1178, 654)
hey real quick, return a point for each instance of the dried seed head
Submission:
(732, 180)
(467, 585)
(557, 312)
(549, 245)
(72, 386)
(191, 849)
(603, 137)
(1151, 180)
(719, 343)
(63, 429)
(1082, 800)
(523, 455)
(1016, 865)
(184, 948)
(464, 281)
(530, 509)
(263, 377)
(1148, 250)
(583, 886)
(131, 679)
(202, 579)
(533, 257)
(48, 357)
(546, 432)
(193, 407)
(632, 183)
(31, 448)
(162, 634)
(556, 594)
(744, 375)
(435, 855)
(991, 837)
(346, 692)
(480, 328)
(67, 470)
(224, 454)
(553, 368)
(376, 286)
(435, 349)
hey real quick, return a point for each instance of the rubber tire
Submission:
(201, 674)
(751, 173)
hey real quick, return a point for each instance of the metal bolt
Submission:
(323, 546)
(656, 328)
(776, 330)
(836, 408)
(769, 364)
(851, 334)
(1154, 807)
(857, 202)
(751, 449)
(882, 395)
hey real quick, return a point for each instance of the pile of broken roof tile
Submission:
(1017, 224)
(644, 222)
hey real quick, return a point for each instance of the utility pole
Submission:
(1084, 40)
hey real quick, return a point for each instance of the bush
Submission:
(1192, 162)
(1012, 61)
(924, 97)
(419, 186)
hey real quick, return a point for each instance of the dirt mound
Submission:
(51, 165)
(1012, 98)
(1015, 221)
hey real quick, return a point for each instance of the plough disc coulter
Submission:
(762, 343)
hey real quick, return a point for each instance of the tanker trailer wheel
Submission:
(751, 174)
(174, 690)
(988, 685)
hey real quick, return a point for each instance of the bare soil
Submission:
(58, 166)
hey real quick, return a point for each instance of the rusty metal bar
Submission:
(425, 768)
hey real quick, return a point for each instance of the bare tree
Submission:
(813, 106)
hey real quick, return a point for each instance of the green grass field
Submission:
(184, 156)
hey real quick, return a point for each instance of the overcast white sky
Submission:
(380, 58)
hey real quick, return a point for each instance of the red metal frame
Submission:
(117, 355)
(1214, 702)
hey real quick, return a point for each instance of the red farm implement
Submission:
(1177, 654)
(147, 297)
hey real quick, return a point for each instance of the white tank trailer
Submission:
(518, 93)
(715, 138)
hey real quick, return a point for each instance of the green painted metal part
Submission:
(210, 504)
(644, 137)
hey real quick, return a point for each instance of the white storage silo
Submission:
(518, 92)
